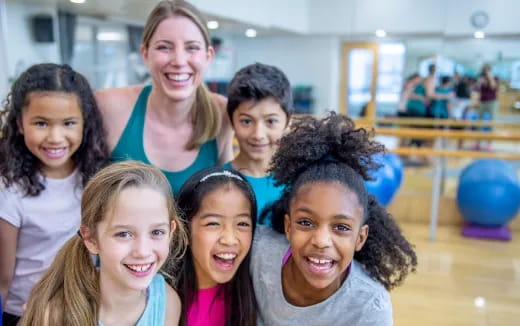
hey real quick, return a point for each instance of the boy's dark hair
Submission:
(17, 164)
(333, 150)
(257, 82)
(445, 80)
(238, 293)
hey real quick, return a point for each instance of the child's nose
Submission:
(228, 237)
(141, 248)
(55, 135)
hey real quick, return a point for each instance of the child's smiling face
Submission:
(258, 127)
(325, 228)
(221, 235)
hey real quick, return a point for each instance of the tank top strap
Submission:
(155, 312)
(130, 145)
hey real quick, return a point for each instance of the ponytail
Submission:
(206, 118)
(68, 293)
(386, 255)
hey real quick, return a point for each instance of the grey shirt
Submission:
(360, 301)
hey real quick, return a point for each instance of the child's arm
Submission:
(173, 307)
(8, 241)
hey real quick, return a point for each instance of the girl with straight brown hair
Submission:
(129, 224)
(175, 124)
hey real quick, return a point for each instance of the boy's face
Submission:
(259, 127)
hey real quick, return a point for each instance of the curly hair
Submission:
(333, 150)
(17, 164)
(257, 82)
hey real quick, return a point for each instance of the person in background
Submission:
(441, 108)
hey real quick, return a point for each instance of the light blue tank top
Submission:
(131, 147)
(155, 311)
(265, 192)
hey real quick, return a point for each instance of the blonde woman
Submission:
(175, 124)
(129, 224)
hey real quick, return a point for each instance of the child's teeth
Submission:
(226, 256)
(139, 268)
(320, 261)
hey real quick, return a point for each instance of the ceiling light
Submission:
(77, 1)
(212, 24)
(110, 36)
(250, 32)
(380, 33)
(479, 34)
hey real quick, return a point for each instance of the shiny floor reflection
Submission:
(460, 281)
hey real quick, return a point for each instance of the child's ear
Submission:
(362, 237)
(287, 225)
(89, 240)
(289, 123)
(173, 226)
(20, 126)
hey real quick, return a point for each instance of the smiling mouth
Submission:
(225, 261)
(178, 77)
(140, 270)
(320, 266)
(56, 152)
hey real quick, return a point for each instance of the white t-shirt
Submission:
(44, 223)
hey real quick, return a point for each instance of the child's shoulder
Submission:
(266, 235)
(368, 289)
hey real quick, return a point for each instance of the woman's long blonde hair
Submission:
(68, 294)
(205, 115)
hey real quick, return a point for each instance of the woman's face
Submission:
(177, 57)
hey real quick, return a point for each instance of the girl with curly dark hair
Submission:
(334, 252)
(51, 143)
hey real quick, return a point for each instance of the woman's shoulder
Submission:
(116, 99)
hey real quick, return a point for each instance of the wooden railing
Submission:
(440, 154)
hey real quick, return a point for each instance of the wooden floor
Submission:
(459, 281)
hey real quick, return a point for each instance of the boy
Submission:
(259, 108)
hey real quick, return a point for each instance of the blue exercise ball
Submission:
(488, 193)
(386, 179)
(397, 164)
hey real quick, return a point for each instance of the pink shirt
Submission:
(207, 312)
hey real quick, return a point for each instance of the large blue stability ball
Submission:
(387, 179)
(488, 193)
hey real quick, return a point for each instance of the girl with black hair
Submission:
(334, 252)
(51, 143)
(220, 210)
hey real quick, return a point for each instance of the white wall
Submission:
(4, 85)
(290, 15)
(305, 60)
(426, 17)
(22, 51)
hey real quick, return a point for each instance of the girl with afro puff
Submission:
(334, 252)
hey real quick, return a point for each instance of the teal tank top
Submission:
(415, 107)
(154, 313)
(131, 147)
(265, 192)
(439, 108)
